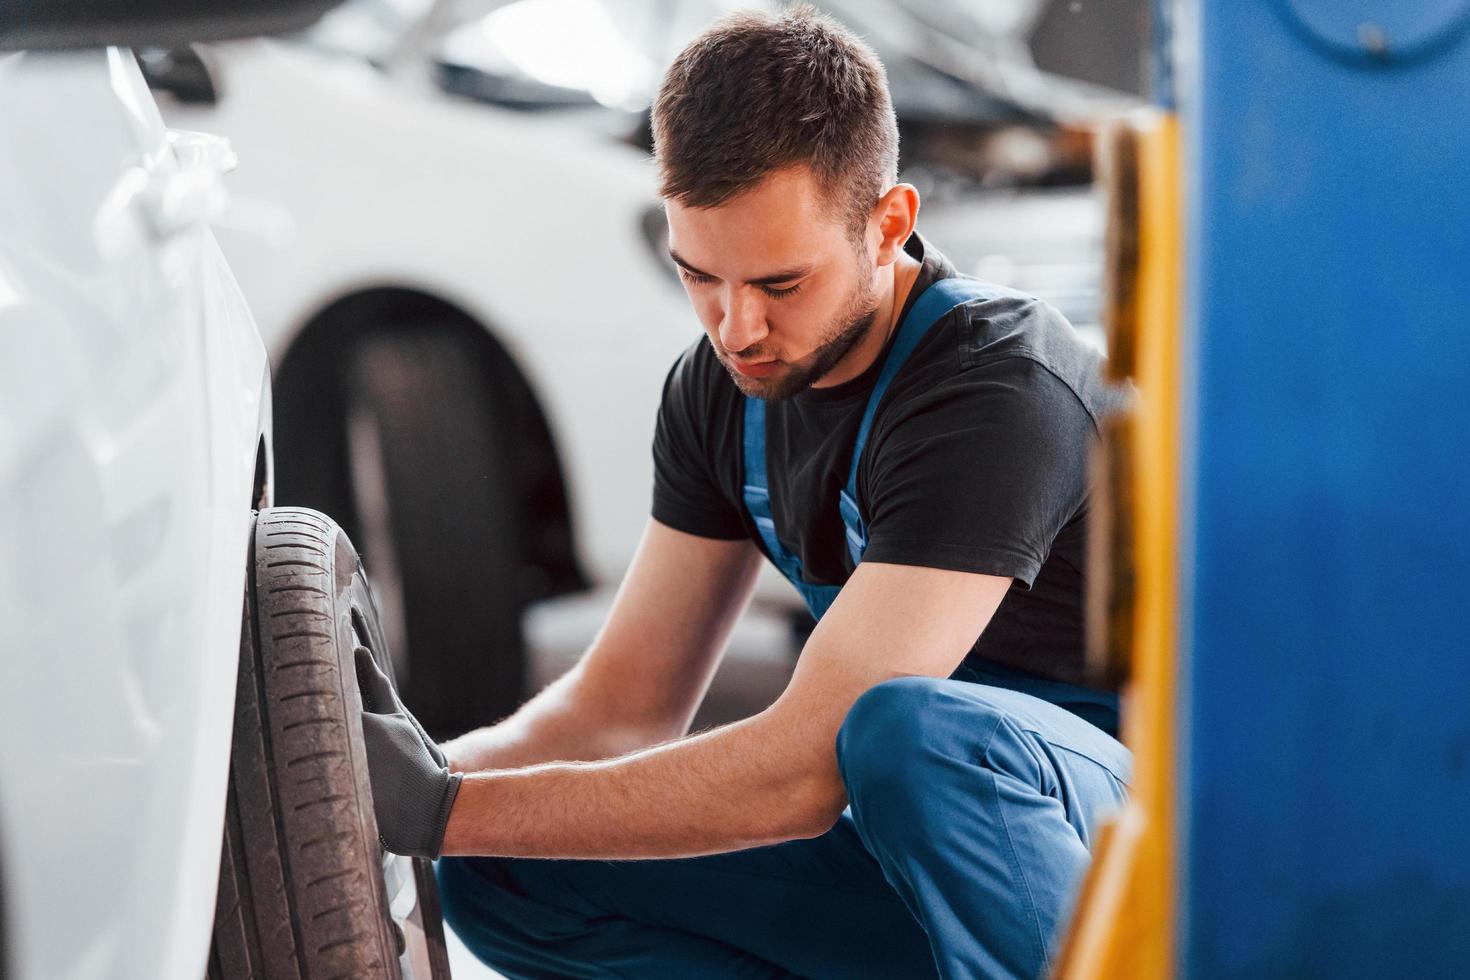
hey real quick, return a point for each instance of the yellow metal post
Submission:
(1124, 925)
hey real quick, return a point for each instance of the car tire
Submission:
(437, 499)
(305, 890)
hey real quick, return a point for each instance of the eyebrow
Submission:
(785, 275)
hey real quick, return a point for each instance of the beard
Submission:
(850, 325)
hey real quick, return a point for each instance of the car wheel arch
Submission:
(328, 333)
(261, 494)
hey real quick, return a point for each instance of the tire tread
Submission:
(301, 884)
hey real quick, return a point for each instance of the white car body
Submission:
(352, 180)
(134, 435)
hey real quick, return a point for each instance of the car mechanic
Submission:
(908, 445)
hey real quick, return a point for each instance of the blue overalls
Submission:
(973, 804)
(1098, 707)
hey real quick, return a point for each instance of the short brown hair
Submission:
(757, 92)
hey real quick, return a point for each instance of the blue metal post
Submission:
(1326, 793)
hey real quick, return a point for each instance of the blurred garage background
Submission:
(444, 221)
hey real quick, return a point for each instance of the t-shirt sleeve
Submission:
(981, 473)
(686, 493)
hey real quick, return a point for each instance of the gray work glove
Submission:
(380, 696)
(413, 789)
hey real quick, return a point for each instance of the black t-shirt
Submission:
(976, 462)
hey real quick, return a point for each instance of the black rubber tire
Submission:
(455, 532)
(301, 891)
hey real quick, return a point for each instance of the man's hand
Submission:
(413, 790)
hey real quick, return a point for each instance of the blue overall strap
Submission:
(931, 307)
(757, 492)
(757, 495)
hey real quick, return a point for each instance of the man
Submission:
(908, 446)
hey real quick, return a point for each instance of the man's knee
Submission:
(899, 731)
(881, 744)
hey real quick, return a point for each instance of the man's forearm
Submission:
(556, 725)
(744, 785)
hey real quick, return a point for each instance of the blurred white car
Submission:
(448, 230)
(443, 288)
(178, 673)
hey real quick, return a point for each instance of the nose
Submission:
(744, 322)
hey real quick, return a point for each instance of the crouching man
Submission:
(908, 446)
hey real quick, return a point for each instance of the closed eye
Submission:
(692, 278)
(695, 279)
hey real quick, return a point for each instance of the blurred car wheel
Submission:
(435, 499)
(305, 889)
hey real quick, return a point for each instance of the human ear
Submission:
(896, 212)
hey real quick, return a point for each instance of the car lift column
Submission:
(1327, 469)
(1302, 796)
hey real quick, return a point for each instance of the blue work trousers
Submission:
(972, 814)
